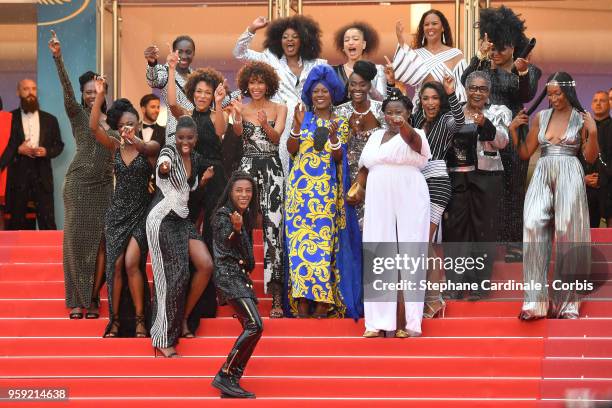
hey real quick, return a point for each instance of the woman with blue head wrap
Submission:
(323, 248)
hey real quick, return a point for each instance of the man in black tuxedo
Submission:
(149, 106)
(35, 140)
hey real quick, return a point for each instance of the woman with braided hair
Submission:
(514, 81)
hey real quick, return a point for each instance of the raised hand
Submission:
(164, 168)
(236, 220)
(100, 84)
(220, 93)
(399, 32)
(236, 106)
(397, 120)
(172, 59)
(485, 46)
(262, 117)
(151, 54)
(257, 24)
(389, 72)
(208, 173)
(520, 119)
(589, 122)
(478, 118)
(129, 134)
(333, 130)
(54, 45)
(298, 115)
(449, 84)
(521, 64)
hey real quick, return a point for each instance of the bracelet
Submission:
(335, 146)
(522, 74)
(295, 135)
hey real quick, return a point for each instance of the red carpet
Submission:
(479, 355)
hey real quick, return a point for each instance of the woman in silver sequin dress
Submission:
(365, 117)
(260, 123)
(555, 204)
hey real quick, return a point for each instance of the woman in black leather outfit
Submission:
(234, 221)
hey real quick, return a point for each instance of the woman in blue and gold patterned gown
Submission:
(322, 233)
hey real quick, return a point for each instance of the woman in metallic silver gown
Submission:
(556, 202)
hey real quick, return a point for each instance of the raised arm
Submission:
(157, 75)
(176, 109)
(525, 149)
(73, 107)
(219, 118)
(458, 117)
(590, 144)
(293, 143)
(529, 75)
(242, 50)
(96, 112)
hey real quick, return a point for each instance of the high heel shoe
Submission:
(94, 312)
(167, 354)
(434, 308)
(139, 321)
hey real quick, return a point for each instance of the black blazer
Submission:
(18, 165)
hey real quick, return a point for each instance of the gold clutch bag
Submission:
(354, 190)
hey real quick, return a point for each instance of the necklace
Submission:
(360, 115)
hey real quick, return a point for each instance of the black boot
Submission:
(229, 387)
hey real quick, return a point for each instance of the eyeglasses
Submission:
(481, 89)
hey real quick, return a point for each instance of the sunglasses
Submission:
(481, 89)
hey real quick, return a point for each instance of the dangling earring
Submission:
(423, 41)
(443, 38)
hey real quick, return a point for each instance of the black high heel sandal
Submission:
(114, 329)
(96, 313)
(140, 321)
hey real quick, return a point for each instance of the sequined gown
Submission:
(87, 191)
(125, 219)
(556, 207)
(261, 160)
(357, 141)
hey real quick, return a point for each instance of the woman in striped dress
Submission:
(439, 113)
(173, 240)
(432, 56)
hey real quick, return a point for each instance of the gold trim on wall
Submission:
(68, 17)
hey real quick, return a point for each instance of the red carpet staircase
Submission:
(479, 355)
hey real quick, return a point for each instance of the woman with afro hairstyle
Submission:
(355, 41)
(87, 192)
(124, 223)
(292, 48)
(556, 207)
(260, 124)
(514, 81)
(432, 56)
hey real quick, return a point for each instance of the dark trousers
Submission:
(470, 221)
(43, 202)
(594, 200)
(252, 329)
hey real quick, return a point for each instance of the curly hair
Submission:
(116, 111)
(307, 29)
(210, 76)
(504, 28)
(447, 38)
(258, 69)
(370, 36)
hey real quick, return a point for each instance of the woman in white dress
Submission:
(432, 56)
(396, 208)
(292, 48)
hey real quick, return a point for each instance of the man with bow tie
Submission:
(35, 140)
(149, 106)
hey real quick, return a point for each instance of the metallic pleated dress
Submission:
(556, 207)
